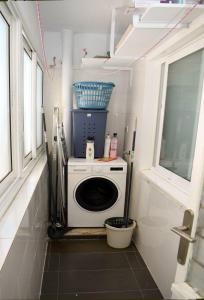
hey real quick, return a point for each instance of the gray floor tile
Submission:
(53, 262)
(145, 279)
(133, 260)
(92, 261)
(129, 295)
(47, 262)
(90, 269)
(97, 281)
(140, 260)
(151, 294)
(50, 283)
(49, 297)
(77, 246)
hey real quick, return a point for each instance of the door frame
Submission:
(181, 183)
(192, 189)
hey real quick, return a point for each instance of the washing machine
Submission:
(96, 191)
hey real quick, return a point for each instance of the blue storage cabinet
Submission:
(88, 123)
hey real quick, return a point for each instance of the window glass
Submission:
(39, 105)
(27, 104)
(183, 98)
(5, 126)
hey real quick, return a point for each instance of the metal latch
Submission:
(184, 232)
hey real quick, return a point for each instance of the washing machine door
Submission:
(96, 194)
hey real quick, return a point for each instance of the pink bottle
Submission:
(114, 146)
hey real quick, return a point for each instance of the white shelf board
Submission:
(171, 13)
(138, 41)
(93, 63)
(119, 62)
(107, 63)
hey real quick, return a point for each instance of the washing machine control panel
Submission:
(95, 167)
(98, 169)
(109, 169)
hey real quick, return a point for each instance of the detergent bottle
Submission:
(90, 149)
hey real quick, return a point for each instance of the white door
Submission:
(180, 153)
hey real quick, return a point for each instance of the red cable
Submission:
(170, 31)
(42, 39)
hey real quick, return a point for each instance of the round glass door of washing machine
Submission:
(96, 194)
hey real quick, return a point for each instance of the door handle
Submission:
(184, 232)
(181, 231)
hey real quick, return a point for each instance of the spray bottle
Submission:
(114, 146)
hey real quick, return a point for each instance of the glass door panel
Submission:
(182, 108)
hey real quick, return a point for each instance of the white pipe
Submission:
(67, 43)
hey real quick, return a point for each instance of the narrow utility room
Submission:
(101, 149)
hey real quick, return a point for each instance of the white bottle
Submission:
(90, 149)
(114, 146)
(107, 146)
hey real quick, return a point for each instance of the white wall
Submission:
(155, 211)
(53, 46)
(67, 58)
(28, 13)
(96, 44)
(58, 89)
(21, 274)
(52, 82)
(52, 98)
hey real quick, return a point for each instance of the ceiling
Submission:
(92, 16)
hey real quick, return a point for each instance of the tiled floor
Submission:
(89, 269)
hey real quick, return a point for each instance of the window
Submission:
(20, 105)
(33, 99)
(27, 85)
(5, 125)
(181, 114)
(39, 105)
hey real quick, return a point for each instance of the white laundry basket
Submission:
(119, 237)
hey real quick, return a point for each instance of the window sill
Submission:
(166, 187)
(11, 220)
(13, 188)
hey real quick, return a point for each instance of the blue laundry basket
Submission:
(93, 94)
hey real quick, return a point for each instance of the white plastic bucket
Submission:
(119, 237)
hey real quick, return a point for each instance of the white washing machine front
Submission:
(95, 194)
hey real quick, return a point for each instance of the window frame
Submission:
(27, 49)
(171, 177)
(35, 60)
(10, 177)
(10, 186)
(40, 148)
